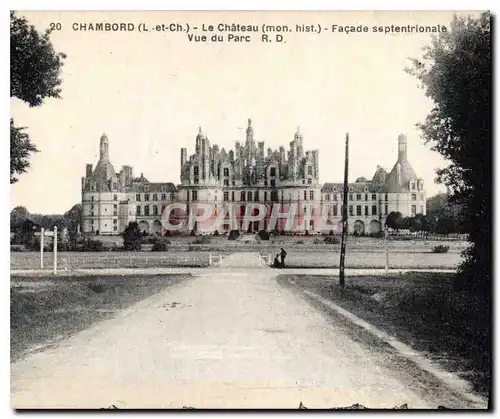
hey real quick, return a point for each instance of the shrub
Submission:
(440, 249)
(234, 234)
(192, 233)
(263, 234)
(17, 248)
(331, 233)
(300, 242)
(160, 245)
(202, 240)
(216, 232)
(317, 241)
(306, 233)
(331, 240)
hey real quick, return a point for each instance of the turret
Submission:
(402, 146)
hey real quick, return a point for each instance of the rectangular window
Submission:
(358, 209)
(265, 196)
(309, 170)
(273, 183)
(115, 197)
(195, 195)
(92, 207)
(386, 209)
(374, 210)
(413, 196)
(146, 197)
(226, 196)
(92, 198)
(350, 197)
(155, 197)
(421, 209)
(335, 211)
(155, 209)
(334, 196)
(358, 197)
(327, 197)
(138, 197)
(311, 195)
(196, 171)
(226, 171)
(309, 181)
(413, 210)
(351, 210)
(138, 212)
(305, 195)
(163, 196)
(226, 182)
(115, 228)
(115, 213)
(386, 197)
(366, 210)
(163, 208)
(146, 210)
(366, 197)
(242, 196)
(115, 221)
(374, 197)
(272, 172)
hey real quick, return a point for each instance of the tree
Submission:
(20, 149)
(132, 237)
(18, 215)
(394, 220)
(35, 70)
(456, 75)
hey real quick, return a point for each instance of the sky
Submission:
(150, 91)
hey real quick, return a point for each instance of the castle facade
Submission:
(232, 183)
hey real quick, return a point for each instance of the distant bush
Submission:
(263, 234)
(93, 246)
(234, 234)
(192, 233)
(202, 240)
(306, 233)
(300, 241)
(317, 241)
(331, 240)
(216, 232)
(160, 245)
(440, 249)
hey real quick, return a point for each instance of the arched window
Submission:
(249, 196)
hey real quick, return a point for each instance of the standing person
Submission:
(283, 256)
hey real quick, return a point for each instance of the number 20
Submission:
(55, 26)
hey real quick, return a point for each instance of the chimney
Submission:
(183, 156)
(88, 170)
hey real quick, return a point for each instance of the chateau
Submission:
(249, 174)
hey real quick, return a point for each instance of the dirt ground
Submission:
(421, 310)
(42, 312)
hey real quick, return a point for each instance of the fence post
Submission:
(269, 260)
(210, 259)
(220, 258)
(55, 250)
(41, 248)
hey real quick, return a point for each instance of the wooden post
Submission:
(386, 244)
(220, 258)
(210, 259)
(344, 216)
(55, 250)
(41, 248)
(269, 258)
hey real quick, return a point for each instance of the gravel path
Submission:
(231, 338)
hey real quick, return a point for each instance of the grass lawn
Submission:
(44, 311)
(423, 311)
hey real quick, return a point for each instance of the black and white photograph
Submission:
(251, 210)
